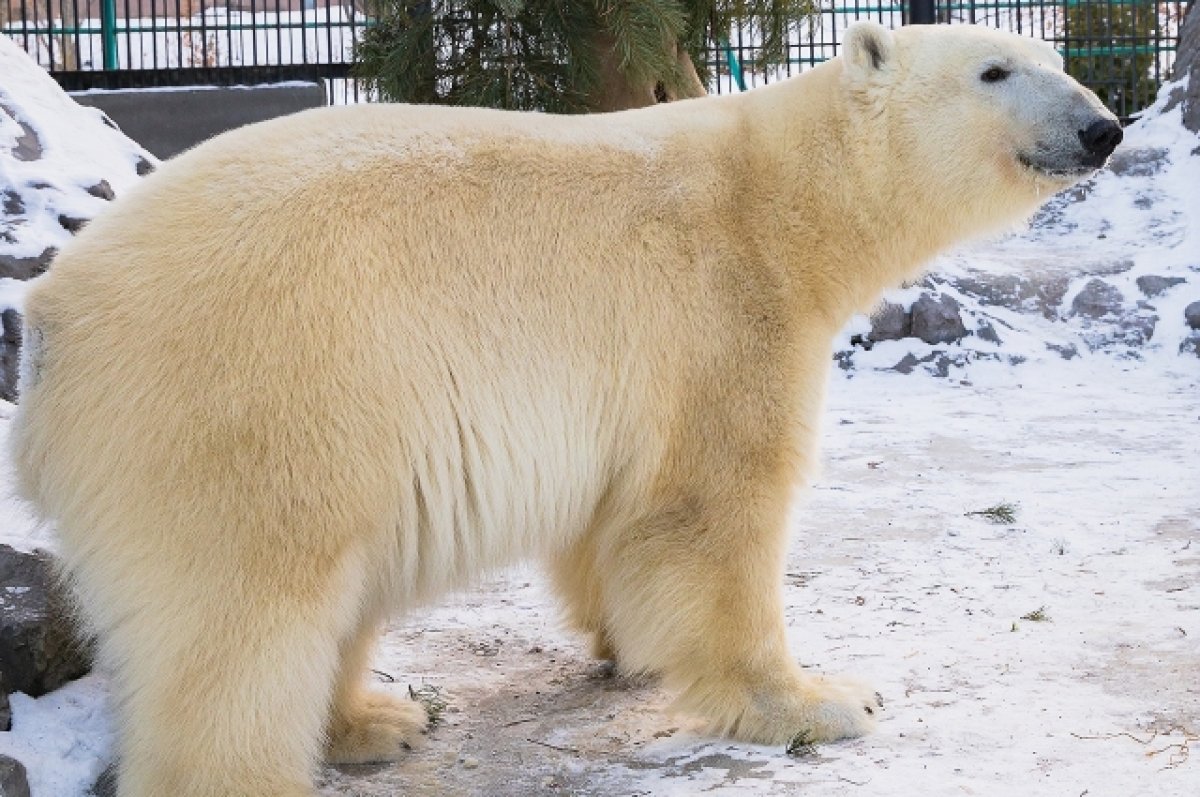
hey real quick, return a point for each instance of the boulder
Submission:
(1191, 314)
(1187, 64)
(39, 647)
(13, 780)
(1098, 299)
(1152, 285)
(25, 268)
(937, 320)
(10, 354)
(890, 322)
(1138, 162)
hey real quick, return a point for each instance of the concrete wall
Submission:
(168, 121)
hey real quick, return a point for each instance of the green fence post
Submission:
(108, 32)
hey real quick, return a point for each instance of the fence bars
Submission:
(1122, 49)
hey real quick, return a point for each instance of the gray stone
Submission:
(144, 167)
(988, 332)
(1034, 293)
(937, 363)
(907, 364)
(39, 649)
(1187, 63)
(937, 320)
(12, 205)
(72, 224)
(24, 268)
(102, 190)
(1067, 351)
(1139, 162)
(10, 354)
(890, 322)
(1190, 345)
(28, 146)
(1152, 285)
(1191, 314)
(1098, 299)
(13, 780)
(5, 712)
(1137, 329)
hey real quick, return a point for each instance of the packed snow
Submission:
(1056, 654)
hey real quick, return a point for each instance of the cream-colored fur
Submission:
(326, 368)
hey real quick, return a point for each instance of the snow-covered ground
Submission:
(1055, 655)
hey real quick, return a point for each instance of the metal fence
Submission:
(1123, 49)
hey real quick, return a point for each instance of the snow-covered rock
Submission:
(39, 649)
(59, 164)
(1105, 268)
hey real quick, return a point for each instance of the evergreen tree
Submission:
(559, 55)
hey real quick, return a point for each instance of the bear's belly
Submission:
(479, 490)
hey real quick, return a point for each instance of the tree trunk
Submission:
(69, 57)
(618, 92)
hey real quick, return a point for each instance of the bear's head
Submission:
(986, 123)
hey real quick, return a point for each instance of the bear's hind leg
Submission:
(573, 573)
(368, 726)
(228, 702)
(695, 593)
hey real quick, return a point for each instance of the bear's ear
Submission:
(867, 49)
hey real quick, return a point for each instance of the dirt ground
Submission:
(1098, 693)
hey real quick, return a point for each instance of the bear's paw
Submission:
(375, 728)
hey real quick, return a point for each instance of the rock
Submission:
(907, 364)
(1034, 293)
(937, 320)
(1098, 299)
(5, 712)
(1191, 314)
(1190, 345)
(13, 780)
(144, 167)
(1187, 64)
(102, 190)
(72, 224)
(938, 363)
(10, 354)
(28, 146)
(1067, 350)
(1139, 162)
(24, 268)
(39, 649)
(890, 322)
(1152, 285)
(1137, 329)
(12, 204)
(988, 332)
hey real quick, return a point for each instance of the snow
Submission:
(889, 577)
(78, 150)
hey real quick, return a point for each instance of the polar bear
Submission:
(326, 368)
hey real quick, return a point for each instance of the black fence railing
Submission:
(1122, 49)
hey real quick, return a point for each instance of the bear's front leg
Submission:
(694, 593)
(368, 726)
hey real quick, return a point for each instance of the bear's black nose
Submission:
(1099, 140)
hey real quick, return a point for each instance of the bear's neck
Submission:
(827, 202)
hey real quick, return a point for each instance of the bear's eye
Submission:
(994, 75)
